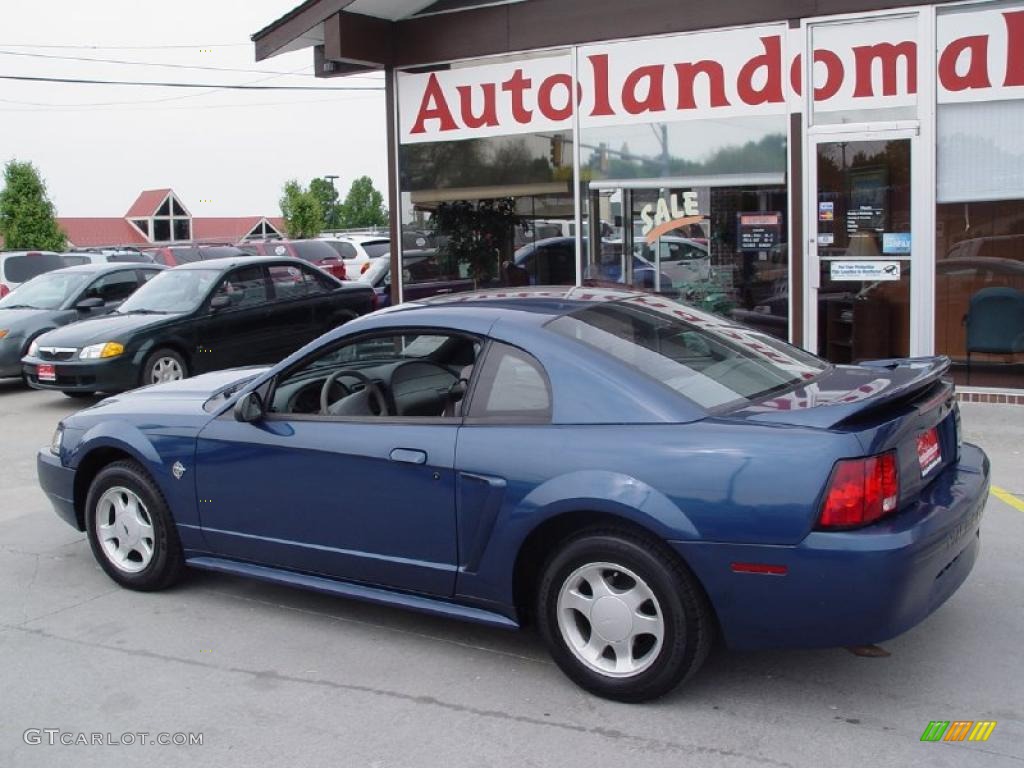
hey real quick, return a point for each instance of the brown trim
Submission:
(534, 24)
(796, 227)
(354, 38)
(394, 198)
(293, 25)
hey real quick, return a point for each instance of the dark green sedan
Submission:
(195, 318)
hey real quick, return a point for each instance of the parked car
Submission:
(62, 296)
(198, 317)
(633, 475)
(422, 278)
(683, 259)
(105, 256)
(553, 262)
(174, 255)
(17, 267)
(316, 252)
(358, 251)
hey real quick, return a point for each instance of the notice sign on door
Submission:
(760, 231)
(872, 271)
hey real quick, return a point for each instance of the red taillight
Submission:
(860, 491)
(4, 290)
(366, 266)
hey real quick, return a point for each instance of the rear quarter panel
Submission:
(703, 481)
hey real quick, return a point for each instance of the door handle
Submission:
(409, 456)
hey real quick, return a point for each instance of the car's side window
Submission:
(114, 287)
(245, 287)
(292, 282)
(405, 374)
(512, 387)
(148, 274)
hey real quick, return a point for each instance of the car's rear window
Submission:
(220, 252)
(185, 254)
(377, 248)
(702, 357)
(18, 269)
(74, 261)
(314, 250)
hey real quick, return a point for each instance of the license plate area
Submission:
(929, 452)
(46, 372)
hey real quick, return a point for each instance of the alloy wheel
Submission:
(610, 619)
(166, 369)
(124, 529)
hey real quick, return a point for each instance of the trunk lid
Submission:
(889, 405)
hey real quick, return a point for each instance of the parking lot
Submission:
(272, 676)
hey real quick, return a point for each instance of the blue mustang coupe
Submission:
(631, 475)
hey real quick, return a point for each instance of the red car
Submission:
(316, 252)
(173, 255)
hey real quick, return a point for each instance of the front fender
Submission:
(157, 451)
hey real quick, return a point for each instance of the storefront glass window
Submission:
(700, 205)
(979, 269)
(489, 212)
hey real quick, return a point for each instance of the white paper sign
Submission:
(867, 271)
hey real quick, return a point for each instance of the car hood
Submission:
(15, 319)
(112, 327)
(174, 398)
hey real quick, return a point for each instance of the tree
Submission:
(363, 206)
(327, 194)
(26, 213)
(303, 214)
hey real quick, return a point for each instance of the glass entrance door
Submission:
(862, 247)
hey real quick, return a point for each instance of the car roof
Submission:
(99, 267)
(548, 301)
(228, 262)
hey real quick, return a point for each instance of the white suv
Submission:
(17, 267)
(358, 251)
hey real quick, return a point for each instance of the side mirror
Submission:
(249, 408)
(219, 302)
(89, 304)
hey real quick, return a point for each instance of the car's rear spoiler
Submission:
(848, 393)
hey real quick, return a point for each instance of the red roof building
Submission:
(159, 216)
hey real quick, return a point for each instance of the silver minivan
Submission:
(17, 267)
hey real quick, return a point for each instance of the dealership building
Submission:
(846, 175)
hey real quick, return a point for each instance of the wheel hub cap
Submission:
(610, 619)
(124, 530)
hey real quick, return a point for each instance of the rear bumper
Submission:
(114, 375)
(58, 483)
(852, 587)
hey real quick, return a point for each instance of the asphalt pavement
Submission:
(266, 675)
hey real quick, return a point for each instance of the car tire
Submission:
(163, 365)
(78, 395)
(647, 588)
(123, 498)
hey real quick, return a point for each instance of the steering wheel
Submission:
(372, 389)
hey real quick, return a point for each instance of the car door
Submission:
(362, 498)
(291, 308)
(240, 333)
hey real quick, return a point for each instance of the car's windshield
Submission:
(177, 290)
(700, 356)
(48, 291)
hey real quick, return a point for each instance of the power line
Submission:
(197, 46)
(156, 64)
(36, 107)
(83, 81)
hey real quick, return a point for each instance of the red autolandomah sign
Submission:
(736, 72)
